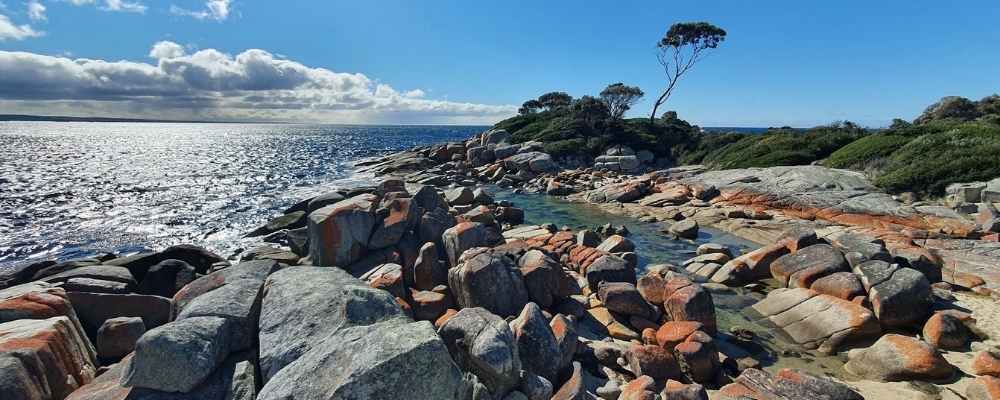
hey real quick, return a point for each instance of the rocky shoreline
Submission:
(424, 286)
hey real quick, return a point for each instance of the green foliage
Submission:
(929, 163)
(555, 100)
(619, 98)
(776, 147)
(696, 34)
(867, 153)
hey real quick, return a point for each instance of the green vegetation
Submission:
(955, 140)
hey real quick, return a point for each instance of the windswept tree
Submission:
(680, 49)
(619, 98)
(555, 100)
(530, 107)
(591, 110)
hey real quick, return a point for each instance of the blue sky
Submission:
(784, 63)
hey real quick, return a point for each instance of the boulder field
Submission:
(425, 287)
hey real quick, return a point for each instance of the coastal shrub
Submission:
(867, 153)
(782, 147)
(929, 163)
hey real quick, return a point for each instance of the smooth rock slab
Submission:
(802, 268)
(785, 384)
(817, 321)
(371, 362)
(301, 306)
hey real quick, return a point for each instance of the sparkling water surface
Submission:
(74, 189)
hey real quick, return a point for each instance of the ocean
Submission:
(73, 189)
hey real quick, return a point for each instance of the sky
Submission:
(783, 62)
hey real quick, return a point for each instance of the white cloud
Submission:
(252, 85)
(114, 5)
(9, 31)
(166, 49)
(36, 11)
(214, 9)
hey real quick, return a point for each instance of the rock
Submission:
(433, 225)
(573, 388)
(388, 277)
(178, 356)
(844, 285)
(98, 272)
(896, 358)
(460, 196)
(817, 321)
(686, 229)
(674, 390)
(495, 136)
(536, 344)
(688, 301)
(481, 196)
(199, 258)
(95, 286)
(94, 309)
(510, 215)
(428, 199)
(301, 306)
(402, 360)
(699, 360)
(750, 267)
(117, 337)
(428, 271)
(465, 236)
(900, 297)
(754, 383)
(641, 388)
(983, 388)
(609, 268)
(324, 200)
(166, 278)
(533, 161)
(482, 343)
(543, 278)
(588, 238)
(505, 150)
(566, 337)
(616, 244)
(488, 279)
(400, 216)
(651, 286)
(802, 268)
(624, 298)
(556, 188)
(292, 220)
(654, 361)
(944, 331)
(713, 248)
(535, 387)
(257, 269)
(672, 333)
(986, 363)
(339, 233)
(237, 301)
(429, 306)
(45, 358)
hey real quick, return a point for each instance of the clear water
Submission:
(73, 189)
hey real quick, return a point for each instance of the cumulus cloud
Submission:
(36, 11)
(114, 5)
(217, 10)
(253, 84)
(9, 31)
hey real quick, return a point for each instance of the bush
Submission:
(780, 147)
(866, 153)
(927, 164)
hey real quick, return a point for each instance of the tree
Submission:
(555, 100)
(619, 98)
(591, 110)
(530, 107)
(680, 49)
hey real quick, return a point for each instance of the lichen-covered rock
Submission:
(573, 388)
(609, 268)
(624, 298)
(488, 279)
(945, 331)
(536, 344)
(654, 361)
(564, 330)
(817, 321)
(390, 360)
(616, 244)
(750, 267)
(674, 390)
(802, 268)
(900, 297)
(43, 358)
(543, 278)
(465, 236)
(844, 285)
(896, 358)
(400, 216)
(641, 388)
(339, 233)
(984, 388)
(301, 306)
(986, 363)
(483, 344)
(785, 384)
(688, 301)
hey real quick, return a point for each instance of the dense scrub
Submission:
(955, 140)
